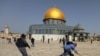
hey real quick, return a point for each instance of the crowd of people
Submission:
(68, 46)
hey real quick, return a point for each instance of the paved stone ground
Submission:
(52, 49)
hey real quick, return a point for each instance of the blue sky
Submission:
(20, 14)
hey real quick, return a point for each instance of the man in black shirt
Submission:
(32, 41)
(22, 44)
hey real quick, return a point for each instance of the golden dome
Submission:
(54, 13)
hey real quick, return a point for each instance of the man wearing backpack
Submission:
(22, 44)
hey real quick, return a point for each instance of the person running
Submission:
(22, 44)
(68, 48)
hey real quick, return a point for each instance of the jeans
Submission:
(67, 53)
(23, 51)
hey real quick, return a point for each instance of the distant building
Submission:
(54, 27)
(79, 34)
(7, 34)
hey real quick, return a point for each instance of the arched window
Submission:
(81, 34)
(36, 31)
(75, 35)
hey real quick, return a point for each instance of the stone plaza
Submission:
(54, 48)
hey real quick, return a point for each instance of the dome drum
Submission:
(53, 21)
